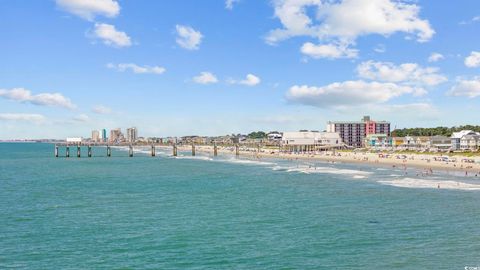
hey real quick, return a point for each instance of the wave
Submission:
(436, 184)
(325, 170)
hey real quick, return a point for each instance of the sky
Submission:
(189, 67)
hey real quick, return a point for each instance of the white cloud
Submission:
(229, 3)
(468, 88)
(44, 99)
(330, 51)
(188, 38)
(409, 73)
(22, 117)
(205, 78)
(81, 118)
(342, 22)
(100, 109)
(473, 60)
(137, 69)
(348, 93)
(111, 36)
(435, 57)
(250, 80)
(88, 9)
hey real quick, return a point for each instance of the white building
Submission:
(132, 135)
(311, 140)
(457, 138)
(74, 140)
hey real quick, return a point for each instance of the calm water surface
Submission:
(222, 213)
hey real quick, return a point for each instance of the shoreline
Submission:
(423, 162)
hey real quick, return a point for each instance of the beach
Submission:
(425, 164)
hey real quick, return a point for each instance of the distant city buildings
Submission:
(116, 136)
(95, 136)
(104, 135)
(353, 133)
(132, 135)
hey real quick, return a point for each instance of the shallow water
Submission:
(223, 213)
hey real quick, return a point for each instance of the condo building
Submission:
(95, 136)
(116, 135)
(353, 133)
(132, 135)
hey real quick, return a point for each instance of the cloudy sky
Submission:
(229, 66)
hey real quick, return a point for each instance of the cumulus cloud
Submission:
(250, 80)
(473, 60)
(330, 51)
(348, 93)
(22, 117)
(435, 57)
(111, 36)
(88, 9)
(408, 73)
(100, 109)
(330, 24)
(468, 88)
(188, 38)
(43, 99)
(205, 78)
(136, 68)
(229, 4)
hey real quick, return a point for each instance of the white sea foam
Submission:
(359, 177)
(194, 157)
(326, 170)
(423, 183)
(247, 162)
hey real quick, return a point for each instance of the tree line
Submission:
(443, 131)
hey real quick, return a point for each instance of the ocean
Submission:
(220, 212)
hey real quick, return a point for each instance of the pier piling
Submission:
(174, 150)
(153, 150)
(130, 150)
(215, 150)
(89, 151)
(56, 151)
(193, 149)
(237, 150)
(67, 152)
(109, 151)
(79, 152)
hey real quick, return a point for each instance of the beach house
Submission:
(456, 139)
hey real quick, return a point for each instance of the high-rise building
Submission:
(353, 133)
(116, 135)
(132, 135)
(95, 136)
(104, 135)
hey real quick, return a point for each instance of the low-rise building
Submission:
(456, 139)
(440, 143)
(379, 141)
(304, 141)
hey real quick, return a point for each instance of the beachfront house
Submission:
(307, 141)
(470, 142)
(378, 141)
(440, 143)
(456, 139)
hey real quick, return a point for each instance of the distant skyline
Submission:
(189, 67)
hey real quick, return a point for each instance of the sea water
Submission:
(208, 212)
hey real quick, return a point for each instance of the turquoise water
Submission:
(221, 213)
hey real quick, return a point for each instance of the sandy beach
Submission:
(425, 163)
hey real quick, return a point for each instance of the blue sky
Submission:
(218, 67)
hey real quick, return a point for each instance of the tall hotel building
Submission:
(354, 133)
(132, 135)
